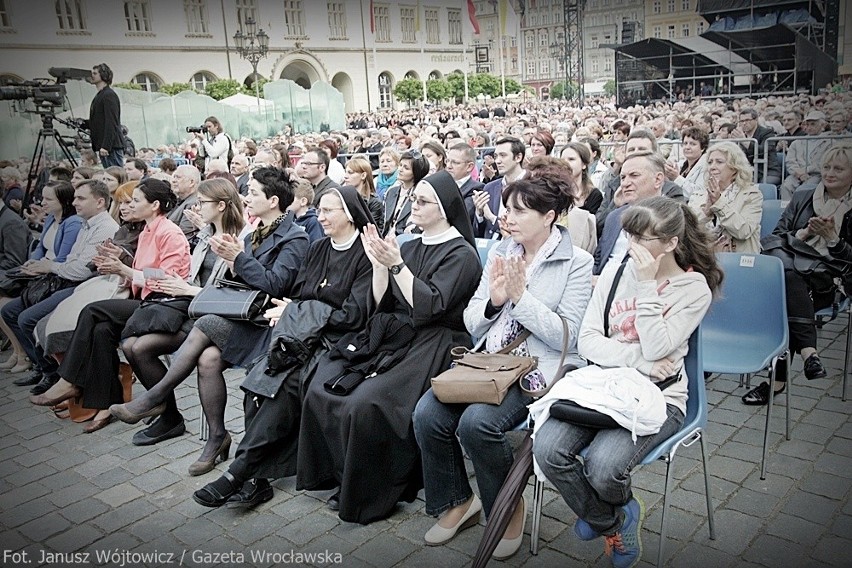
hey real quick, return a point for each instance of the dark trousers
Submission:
(802, 303)
(91, 361)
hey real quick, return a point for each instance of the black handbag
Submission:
(42, 288)
(158, 313)
(231, 300)
(14, 281)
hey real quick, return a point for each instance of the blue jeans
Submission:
(481, 430)
(597, 486)
(114, 158)
(23, 322)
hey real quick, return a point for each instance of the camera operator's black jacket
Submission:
(105, 121)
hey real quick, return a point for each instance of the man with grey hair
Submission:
(240, 171)
(461, 160)
(804, 157)
(185, 182)
(642, 175)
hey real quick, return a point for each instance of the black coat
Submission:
(105, 121)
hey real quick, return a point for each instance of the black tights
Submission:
(196, 351)
(143, 353)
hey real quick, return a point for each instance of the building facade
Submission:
(157, 42)
(673, 19)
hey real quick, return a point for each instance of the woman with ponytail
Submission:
(662, 291)
(90, 366)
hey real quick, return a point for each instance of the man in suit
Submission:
(314, 167)
(240, 171)
(509, 155)
(749, 128)
(461, 159)
(642, 175)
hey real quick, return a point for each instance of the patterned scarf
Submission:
(262, 231)
(506, 328)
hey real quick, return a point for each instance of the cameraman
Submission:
(105, 119)
(217, 144)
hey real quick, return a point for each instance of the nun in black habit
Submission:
(364, 442)
(331, 297)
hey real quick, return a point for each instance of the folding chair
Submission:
(746, 332)
(829, 313)
(483, 246)
(770, 215)
(769, 191)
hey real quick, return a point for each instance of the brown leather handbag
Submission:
(73, 408)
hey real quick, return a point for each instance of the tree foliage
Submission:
(439, 90)
(175, 88)
(128, 86)
(558, 90)
(222, 89)
(456, 83)
(512, 87)
(409, 90)
(484, 84)
(609, 87)
(246, 90)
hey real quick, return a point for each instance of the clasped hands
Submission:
(508, 280)
(36, 267)
(108, 259)
(382, 252)
(822, 226)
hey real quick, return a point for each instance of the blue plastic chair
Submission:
(845, 306)
(746, 332)
(405, 237)
(692, 430)
(483, 246)
(769, 191)
(770, 215)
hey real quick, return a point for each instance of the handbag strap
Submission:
(560, 369)
(518, 340)
(611, 296)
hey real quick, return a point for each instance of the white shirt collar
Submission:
(448, 235)
(462, 181)
(348, 244)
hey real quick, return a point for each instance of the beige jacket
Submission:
(736, 214)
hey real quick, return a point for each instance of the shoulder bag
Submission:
(230, 300)
(42, 288)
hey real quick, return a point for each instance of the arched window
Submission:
(148, 81)
(385, 90)
(200, 80)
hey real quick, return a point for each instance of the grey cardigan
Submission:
(562, 289)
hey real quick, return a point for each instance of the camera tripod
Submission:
(46, 133)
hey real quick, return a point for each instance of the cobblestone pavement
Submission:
(112, 503)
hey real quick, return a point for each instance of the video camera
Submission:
(196, 129)
(42, 92)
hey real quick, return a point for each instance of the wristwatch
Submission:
(397, 268)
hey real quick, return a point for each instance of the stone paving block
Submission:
(8, 454)
(814, 508)
(196, 532)
(588, 553)
(833, 551)
(44, 527)
(26, 512)
(830, 420)
(787, 466)
(72, 494)
(772, 551)
(151, 526)
(122, 515)
(111, 478)
(119, 540)
(689, 556)
(138, 465)
(739, 451)
(95, 467)
(63, 478)
(842, 526)
(731, 469)
(32, 458)
(413, 529)
(753, 503)
(297, 507)
(681, 524)
(773, 485)
(303, 530)
(17, 495)
(735, 532)
(800, 449)
(840, 446)
(27, 475)
(39, 430)
(252, 526)
(721, 489)
(119, 494)
(386, 550)
(155, 480)
(834, 464)
(83, 511)
(794, 529)
(430, 556)
(830, 486)
(76, 538)
(13, 540)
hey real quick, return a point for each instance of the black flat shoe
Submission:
(759, 395)
(253, 493)
(44, 384)
(217, 493)
(146, 438)
(34, 379)
(814, 369)
(334, 501)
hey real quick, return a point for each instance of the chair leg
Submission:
(846, 358)
(768, 417)
(788, 358)
(538, 498)
(707, 489)
(663, 526)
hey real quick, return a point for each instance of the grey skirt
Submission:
(216, 328)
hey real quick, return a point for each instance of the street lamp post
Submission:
(252, 46)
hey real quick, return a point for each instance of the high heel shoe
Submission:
(44, 400)
(22, 366)
(224, 451)
(121, 412)
(9, 363)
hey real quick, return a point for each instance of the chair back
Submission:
(746, 326)
(483, 246)
(405, 237)
(769, 191)
(696, 404)
(770, 215)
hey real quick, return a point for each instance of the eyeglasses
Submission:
(456, 163)
(420, 201)
(326, 211)
(309, 163)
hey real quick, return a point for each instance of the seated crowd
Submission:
(607, 232)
